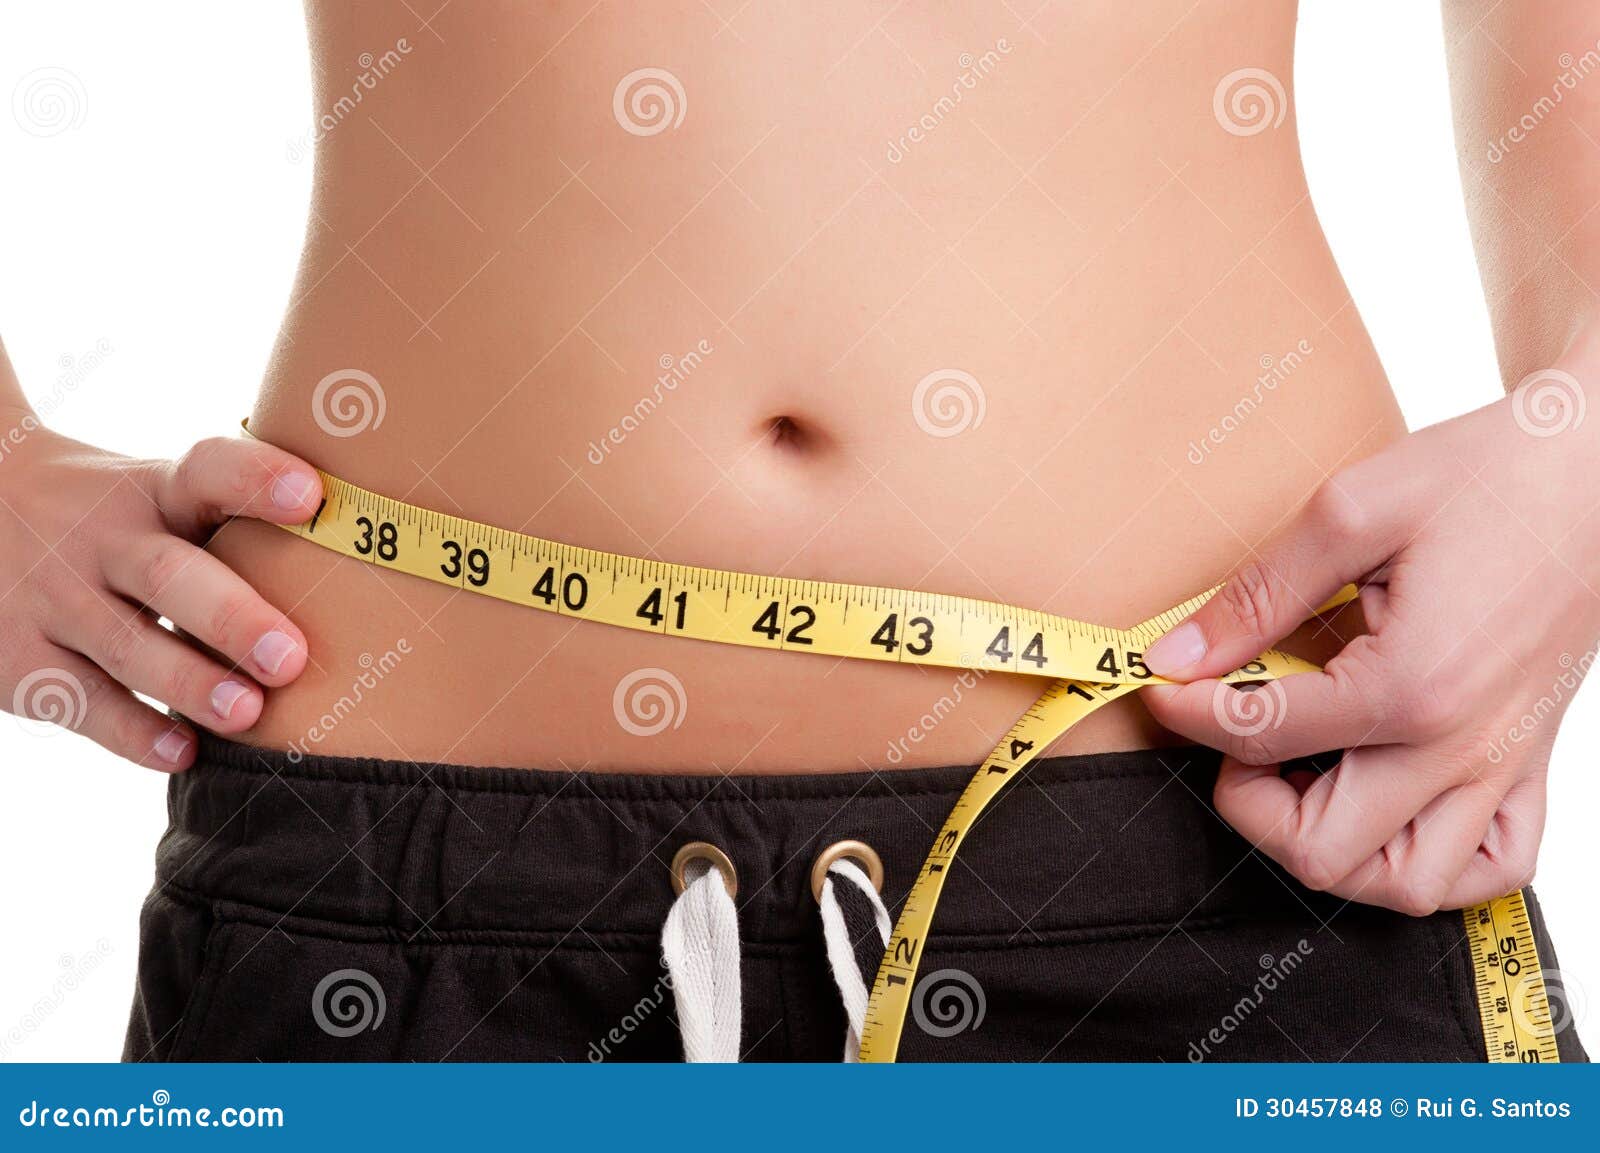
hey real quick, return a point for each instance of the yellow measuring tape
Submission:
(1089, 666)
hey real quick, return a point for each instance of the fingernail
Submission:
(292, 491)
(225, 696)
(170, 746)
(1176, 651)
(272, 650)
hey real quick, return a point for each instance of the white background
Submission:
(166, 224)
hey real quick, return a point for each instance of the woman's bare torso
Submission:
(915, 295)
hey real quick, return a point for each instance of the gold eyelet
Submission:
(858, 851)
(703, 851)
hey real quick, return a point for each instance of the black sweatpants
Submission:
(358, 910)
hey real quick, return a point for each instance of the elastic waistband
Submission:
(1080, 846)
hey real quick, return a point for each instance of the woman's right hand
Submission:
(95, 547)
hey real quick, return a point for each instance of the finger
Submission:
(140, 654)
(1344, 817)
(1300, 779)
(1347, 529)
(203, 596)
(1509, 851)
(223, 477)
(1418, 871)
(1339, 707)
(73, 693)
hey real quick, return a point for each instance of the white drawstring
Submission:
(700, 944)
(842, 939)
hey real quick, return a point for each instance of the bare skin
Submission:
(829, 262)
(1451, 706)
(1109, 232)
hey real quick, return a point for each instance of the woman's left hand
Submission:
(1477, 547)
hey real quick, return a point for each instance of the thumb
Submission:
(233, 476)
(1339, 536)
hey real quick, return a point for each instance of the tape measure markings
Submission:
(1513, 1000)
(755, 611)
(914, 628)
